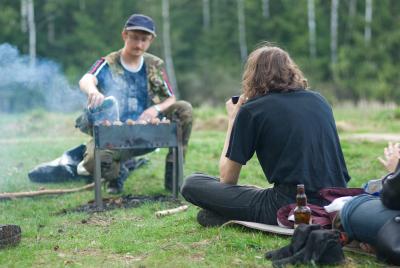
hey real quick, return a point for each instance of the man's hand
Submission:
(233, 109)
(391, 156)
(148, 114)
(95, 98)
(88, 84)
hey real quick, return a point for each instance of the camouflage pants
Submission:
(180, 112)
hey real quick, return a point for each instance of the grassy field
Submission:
(135, 237)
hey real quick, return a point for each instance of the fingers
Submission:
(146, 116)
(242, 99)
(391, 156)
(383, 162)
(95, 99)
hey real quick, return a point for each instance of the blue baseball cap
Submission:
(142, 23)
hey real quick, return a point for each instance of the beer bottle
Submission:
(302, 213)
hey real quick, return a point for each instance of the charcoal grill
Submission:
(139, 136)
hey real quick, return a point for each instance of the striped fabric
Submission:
(97, 66)
(168, 86)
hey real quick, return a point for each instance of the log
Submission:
(44, 192)
(167, 212)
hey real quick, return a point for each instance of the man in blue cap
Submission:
(138, 82)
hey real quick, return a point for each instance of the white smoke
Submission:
(23, 87)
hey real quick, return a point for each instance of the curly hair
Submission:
(270, 68)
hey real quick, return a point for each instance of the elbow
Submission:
(82, 82)
(86, 81)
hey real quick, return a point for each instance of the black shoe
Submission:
(111, 189)
(116, 186)
(10, 235)
(208, 218)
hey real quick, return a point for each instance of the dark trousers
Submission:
(234, 202)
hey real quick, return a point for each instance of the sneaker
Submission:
(111, 189)
(116, 186)
(208, 218)
(10, 235)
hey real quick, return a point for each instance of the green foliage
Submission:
(207, 61)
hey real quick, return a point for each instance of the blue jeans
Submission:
(363, 216)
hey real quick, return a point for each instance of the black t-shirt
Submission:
(295, 138)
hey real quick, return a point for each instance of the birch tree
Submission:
(242, 30)
(334, 30)
(206, 15)
(351, 16)
(32, 31)
(50, 8)
(24, 15)
(265, 8)
(311, 28)
(167, 46)
(368, 20)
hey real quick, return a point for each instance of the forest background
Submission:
(348, 50)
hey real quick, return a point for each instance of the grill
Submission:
(139, 136)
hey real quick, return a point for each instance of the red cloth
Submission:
(332, 193)
(318, 214)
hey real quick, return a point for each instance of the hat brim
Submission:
(131, 28)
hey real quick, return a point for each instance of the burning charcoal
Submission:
(106, 123)
(130, 122)
(155, 121)
(117, 123)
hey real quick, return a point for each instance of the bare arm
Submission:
(229, 170)
(88, 85)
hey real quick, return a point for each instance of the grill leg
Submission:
(97, 180)
(179, 168)
(175, 172)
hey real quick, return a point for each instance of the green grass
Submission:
(135, 237)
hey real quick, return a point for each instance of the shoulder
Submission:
(113, 57)
(318, 96)
(152, 60)
(99, 65)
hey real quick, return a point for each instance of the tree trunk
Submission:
(265, 8)
(351, 16)
(368, 20)
(242, 30)
(32, 32)
(167, 46)
(334, 30)
(82, 5)
(206, 15)
(50, 29)
(311, 28)
(24, 15)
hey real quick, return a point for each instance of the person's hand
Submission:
(391, 156)
(233, 109)
(148, 114)
(95, 98)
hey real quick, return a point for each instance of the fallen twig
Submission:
(163, 213)
(45, 192)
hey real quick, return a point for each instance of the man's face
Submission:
(137, 42)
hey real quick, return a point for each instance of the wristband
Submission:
(157, 108)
